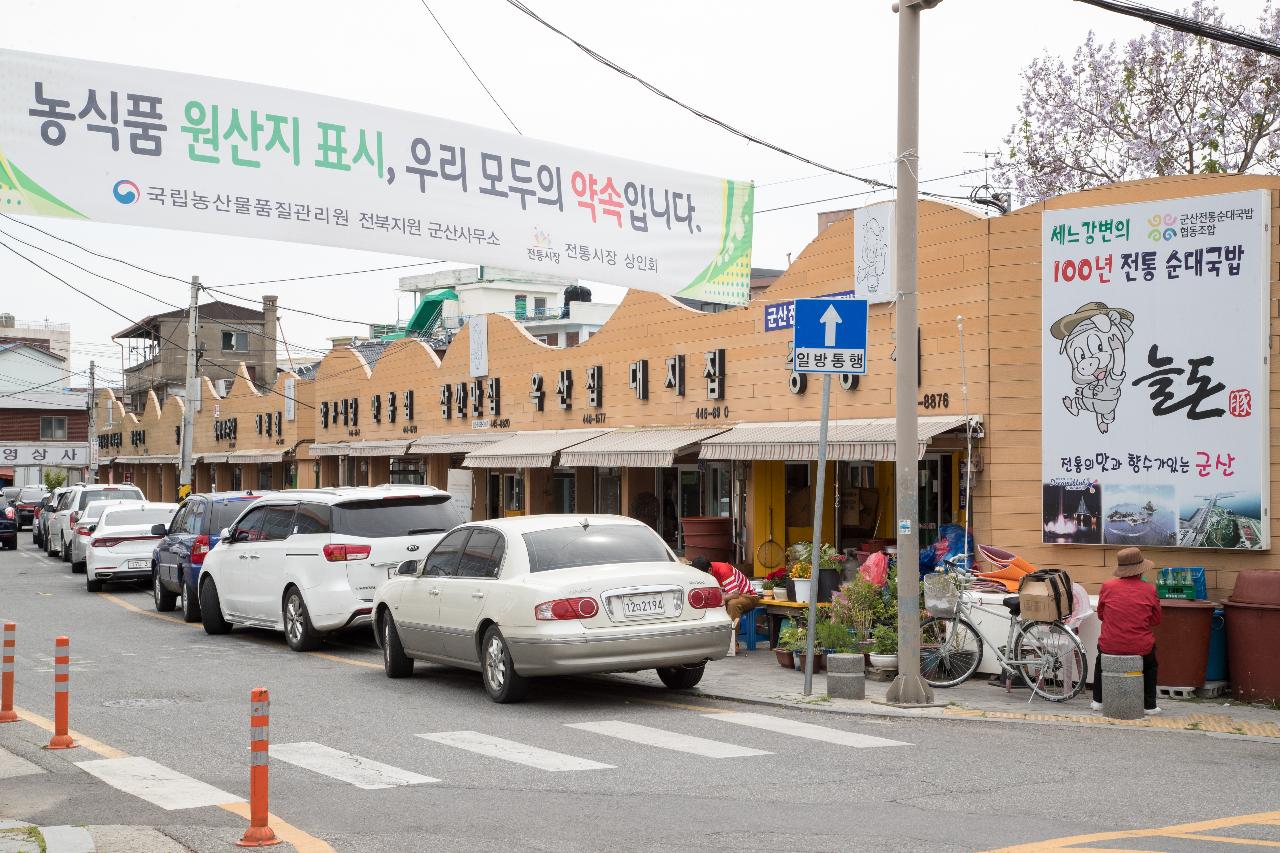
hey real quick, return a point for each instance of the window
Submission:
(482, 555)
(53, 429)
(249, 528)
(31, 494)
(143, 519)
(128, 493)
(225, 514)
(443, 560)
(514, 488)
(379, 519)
(592, 545)
(235, 341)
(539, 306)
(277, 523)
(264, 476)
(312, 518)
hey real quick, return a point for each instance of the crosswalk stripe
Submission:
(156, 783)
(780, 725)
(663, 739)
(345, 767)
(67, 839)
(510, 750)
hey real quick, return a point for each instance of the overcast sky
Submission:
(815, 76)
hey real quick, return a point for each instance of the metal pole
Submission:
(93, 423)
(818, 503)
(193, 391)
(908, 688)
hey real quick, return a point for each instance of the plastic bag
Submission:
(876, 568)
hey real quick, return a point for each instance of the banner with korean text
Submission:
(115, 143)
(1154, 374)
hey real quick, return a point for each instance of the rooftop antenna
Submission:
(986, 195)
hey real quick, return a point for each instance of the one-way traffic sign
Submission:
(831, 336)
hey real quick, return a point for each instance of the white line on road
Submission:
(510, 750)
(67, 839)
(782, 726)
(663, 739)
(156, 783)
(345, 767)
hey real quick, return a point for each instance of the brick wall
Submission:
(24, 424)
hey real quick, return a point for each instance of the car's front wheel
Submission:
(500, 678)
(394, 661)
(188, 603)
(298, 630)
(681, 677)
(211, 609)
(164, 599)
(65, 551)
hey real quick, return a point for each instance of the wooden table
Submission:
(779, 610)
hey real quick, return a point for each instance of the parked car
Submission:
(9, 494)
(85, 527)
(61, 526)
(552, 595)
(29, 497)
(308, 562)
(122, 543)
(44, 513)
(8, 527)
(193, 532)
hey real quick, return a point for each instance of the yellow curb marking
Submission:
(348, 661)
(1227, 839)
(1177, 831)
(301, 841)
(1216, 723)
(81, 739)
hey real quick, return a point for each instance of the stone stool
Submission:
(845, 678)
(1121, 686)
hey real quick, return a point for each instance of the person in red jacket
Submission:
(1129, 609)
(739, 595)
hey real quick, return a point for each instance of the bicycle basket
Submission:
(941, 595)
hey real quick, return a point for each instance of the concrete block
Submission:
(845, 663)
(1122, 687)
(846, 685)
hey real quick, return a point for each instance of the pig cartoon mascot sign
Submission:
(1093, 338)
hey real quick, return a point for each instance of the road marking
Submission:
(663, 739)
(67, 839)
(345, 767)
(782, 726)
(83, 740)
(13, 766)
(156, 783)
(1192, 831)
(301, 841)
(510, 750)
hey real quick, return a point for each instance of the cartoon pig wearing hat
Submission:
(1093, 338)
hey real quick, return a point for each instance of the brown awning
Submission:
(529, 449)
(857, 439)
(653, 447)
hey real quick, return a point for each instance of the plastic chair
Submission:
(749, 628)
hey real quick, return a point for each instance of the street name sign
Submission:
(831, 336)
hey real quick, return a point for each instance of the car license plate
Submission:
(634, 606)
(139, 564)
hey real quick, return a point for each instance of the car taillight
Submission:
(8, 512)
(199, 548)
(345, 553)
(111, 541)
(706, 597)
(566, 608)
(83, 530)
(39, 512)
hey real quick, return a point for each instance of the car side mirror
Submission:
(408, 567)
(225, 534)
(93, 527)
(159, 530)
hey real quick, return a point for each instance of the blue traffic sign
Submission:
(831, 336)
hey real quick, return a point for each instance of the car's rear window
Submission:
(127, 494)
(596, 544)
(136, 517)
(10, 492)
(382, 517)
(226, 512)
(29, 495)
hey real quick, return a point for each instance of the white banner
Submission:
(1155, 377)
(873, 252)
(115, 143)
(49, 455)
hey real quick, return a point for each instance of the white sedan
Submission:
(121, 546)
(551, 595)
(85, 527)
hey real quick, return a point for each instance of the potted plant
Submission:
(884, 647)
(829, 562)
(779, 578)
(790, 640)
(766, 589)
(802, 580)
(833, 638)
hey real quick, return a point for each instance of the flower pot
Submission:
(819, 661)
(779, 593)
(803, 589)
(829, 581)
(883, 661)
(786, 658)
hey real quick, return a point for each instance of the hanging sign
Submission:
(116, 143)
(1155, 378)
(873, 252)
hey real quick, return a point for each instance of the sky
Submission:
(816, 77)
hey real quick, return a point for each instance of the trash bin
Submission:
(1182, 642)
(1217, 669)
(1253, 623)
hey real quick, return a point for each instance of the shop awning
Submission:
(637, 448)
(337, 448)
(393, 447)
(148, 460)
(529, 449)
(856, 439)
(252, 457)
(458, 443)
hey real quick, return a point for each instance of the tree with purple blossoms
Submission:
(1167, 103)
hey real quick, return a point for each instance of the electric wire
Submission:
(461, 56)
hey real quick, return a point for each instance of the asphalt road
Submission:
(150, 686)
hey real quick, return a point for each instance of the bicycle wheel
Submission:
(950, 651)
(1051, 660)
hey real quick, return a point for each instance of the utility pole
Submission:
(908, 688)
(193, 389)
(93, 423)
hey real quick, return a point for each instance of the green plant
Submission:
(833, 636)
(54, 478)
(792, 638)
(828, 557)
(884, 640)
(856, 604)
(766, 585)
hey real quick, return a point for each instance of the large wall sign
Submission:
(1155, 378)
(116, 143)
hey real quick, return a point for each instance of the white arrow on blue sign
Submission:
(831, 336)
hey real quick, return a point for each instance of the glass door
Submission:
(936, 505)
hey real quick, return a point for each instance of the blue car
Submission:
(175, 564)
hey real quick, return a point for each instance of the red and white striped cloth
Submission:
(732, 581)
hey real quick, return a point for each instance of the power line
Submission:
(865, 192)
(330, 275)
(458, 50)
(1188, 25)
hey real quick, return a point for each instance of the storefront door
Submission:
(563, 492)
(936, 504)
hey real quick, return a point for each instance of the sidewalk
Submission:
(756, 677)
(19, 837)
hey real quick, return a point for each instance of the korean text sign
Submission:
(1155, 381)
(52, 455)
(115, 143)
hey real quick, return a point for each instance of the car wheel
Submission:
(211, 609)
(394, 661)
(298, 630)
(65, 551)
(162, 597)
(188, 604)
(681, 677)
(92, 585)
(500, 678)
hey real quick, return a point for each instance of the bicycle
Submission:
(1047, 655)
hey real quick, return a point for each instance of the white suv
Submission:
(281, 565)
(70, 506)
